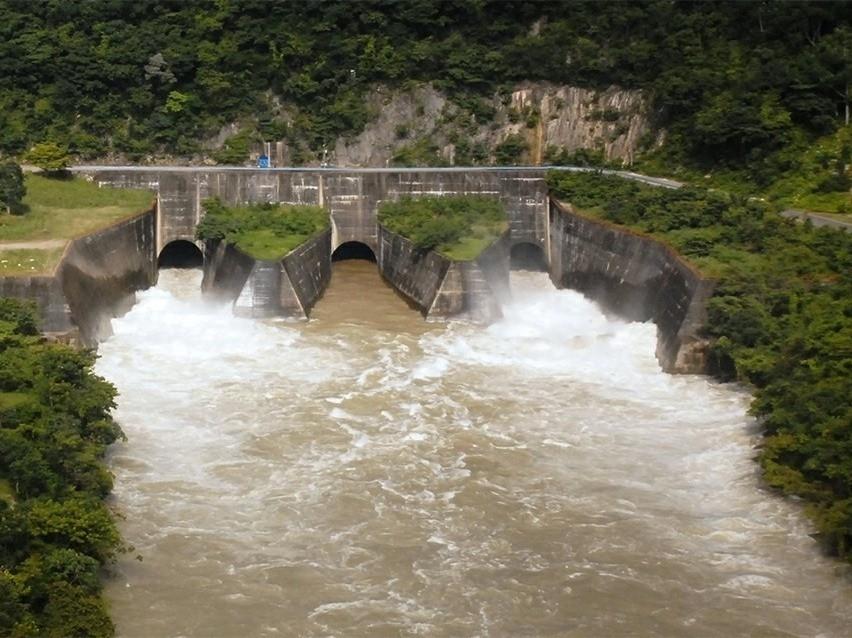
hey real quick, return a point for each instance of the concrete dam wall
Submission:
(441, 287)
(635, 277)
(95, 280)
(288, 287)
(351, 196)
(632, 276)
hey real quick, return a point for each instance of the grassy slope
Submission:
(61, 209)
(266, 245)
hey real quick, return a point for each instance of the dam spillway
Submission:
(370, 474)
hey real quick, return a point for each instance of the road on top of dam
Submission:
(653, 181)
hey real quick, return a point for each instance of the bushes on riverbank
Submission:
(781, 317)
(458, 227)
(55, 531)
(264, 231)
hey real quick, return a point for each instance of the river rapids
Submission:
(371, 474)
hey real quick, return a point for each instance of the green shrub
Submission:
(459, 227)
(510, 151)
(56, 534)
(264, 231)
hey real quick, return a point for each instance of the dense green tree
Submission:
(732, 82)
(49, 157)
(55, 531)
(12, 187)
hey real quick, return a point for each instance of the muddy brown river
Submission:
(371, 474)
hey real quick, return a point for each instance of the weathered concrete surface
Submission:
(226, 269)
(308, 269)
(289, 287)
(46, 292)
(101, 272)
(352, 197)
(632, 276)
(96, 279)
(635, 277)
(441, 287)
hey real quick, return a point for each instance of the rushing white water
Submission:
(371, 474)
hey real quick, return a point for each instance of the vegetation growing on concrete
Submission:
(56, 534)
(780, 317)
(458, 227)
(264, 231)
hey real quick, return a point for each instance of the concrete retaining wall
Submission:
(635, 277)
(441, 287)
(289, 287)
(46, 292)
(95, 280)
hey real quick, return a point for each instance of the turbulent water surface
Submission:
(371, 474)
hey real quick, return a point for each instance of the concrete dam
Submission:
(631, 276)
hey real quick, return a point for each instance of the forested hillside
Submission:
(733, 83)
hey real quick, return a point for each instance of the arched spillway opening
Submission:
(180, 254)
(353, 250)
(526, 256)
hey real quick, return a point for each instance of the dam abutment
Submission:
(635, 277)
(96, 279)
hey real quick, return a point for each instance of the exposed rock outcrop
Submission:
(423, 123)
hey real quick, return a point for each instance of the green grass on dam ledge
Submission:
(458, 227)
(263, 231)
(56, 211)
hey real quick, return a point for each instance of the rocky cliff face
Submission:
(422, 126)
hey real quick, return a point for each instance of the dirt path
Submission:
(43, 244)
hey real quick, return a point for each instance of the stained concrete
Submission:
(441, 287)
(95, 280)
(632, 276)
(352, 197)
(288, 287)
(635, 277)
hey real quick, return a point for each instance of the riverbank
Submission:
(779, 321)
(56, 533)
